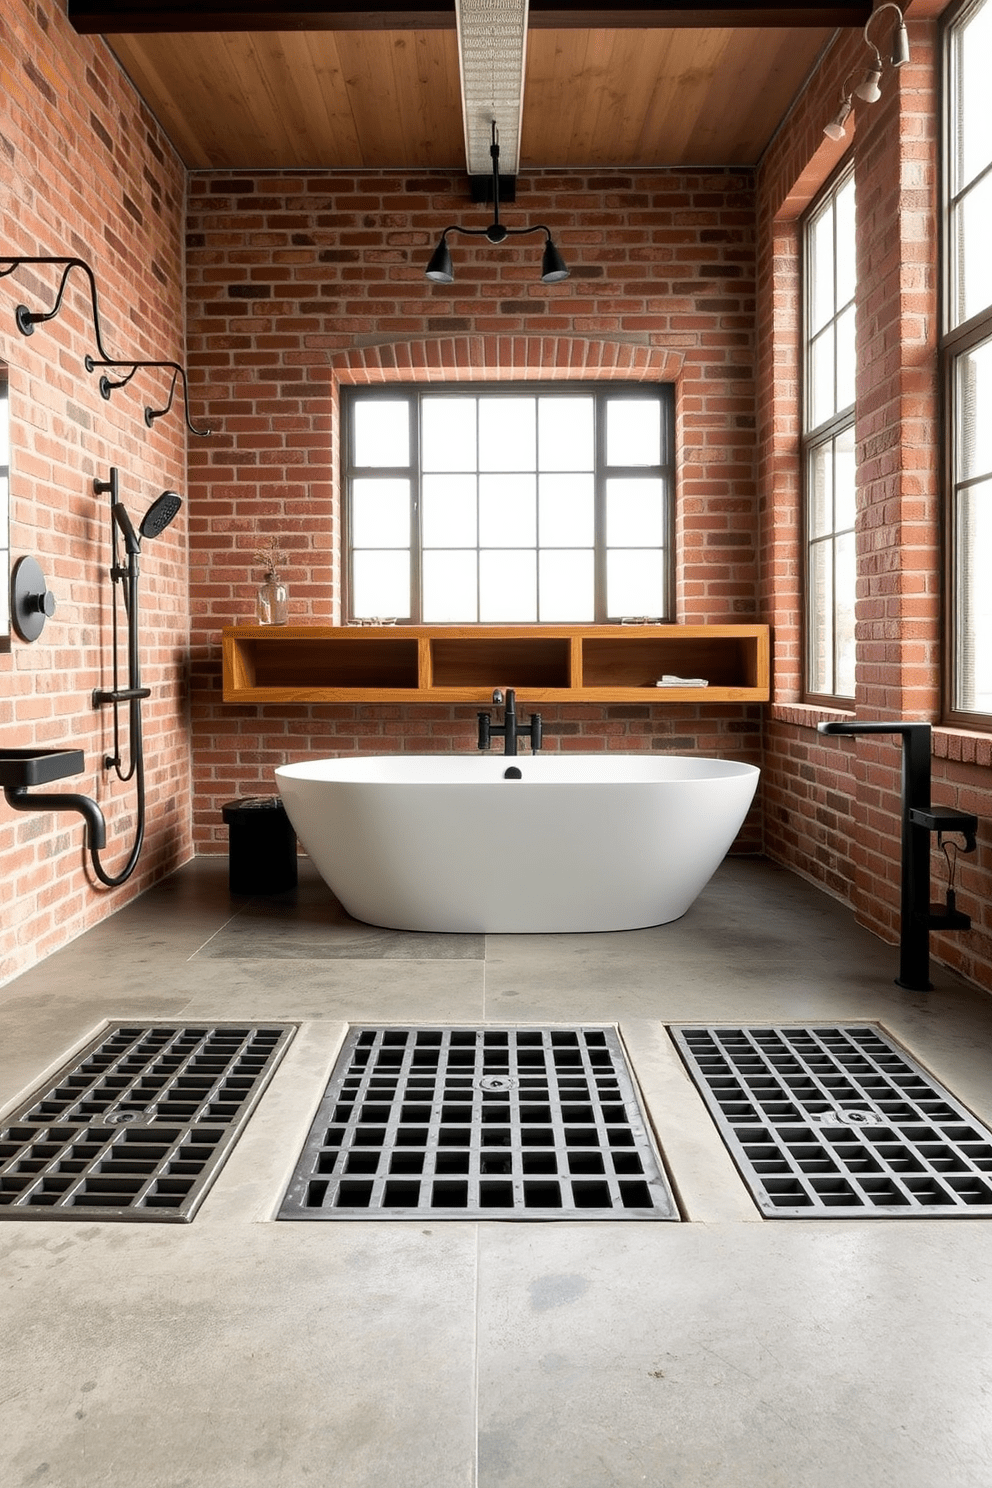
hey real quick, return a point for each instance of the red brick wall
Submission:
(298, 284)
(86, 173)
(832, 805)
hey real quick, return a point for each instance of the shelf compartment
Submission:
(724, 661)
(299, 664)
(532, 661)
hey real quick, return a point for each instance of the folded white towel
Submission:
(668, 679)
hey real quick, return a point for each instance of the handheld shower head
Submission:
(131, 543)
(160, 514)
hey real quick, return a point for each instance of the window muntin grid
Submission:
(519, 505)
(828, 446)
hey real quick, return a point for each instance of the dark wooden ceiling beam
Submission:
(133, 17)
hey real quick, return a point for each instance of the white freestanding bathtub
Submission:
(577, 842)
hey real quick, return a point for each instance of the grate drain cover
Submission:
(138, 1127)
(839, 1123)
(495, 1123)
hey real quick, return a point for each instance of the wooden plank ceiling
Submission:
(325, 86)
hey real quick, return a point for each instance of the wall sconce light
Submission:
(26, 321)
(869, 89)
(440, 270)
(835, 129)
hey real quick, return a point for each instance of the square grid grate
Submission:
(838, 1122)
(495, 1123)
(139, 1125)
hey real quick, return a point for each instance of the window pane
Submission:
(820, 270)
(382, 432)
(844, 393)
(844, 478)
(844, 585)
(974, 117)
(820, 492)
(974, 410)
(845, 243)
(635, 582)
(381, 585)
(565, 433)
(450, 582)
(974, 230)
(566, 586)
(820, 402)
(449, 511)
(380, 513)
(820, 660)
(566, 511)
(507, 434)
(973, 538)
(507, 587)
(447, 433)
(633, 431)
(634, 516)
(507, 511)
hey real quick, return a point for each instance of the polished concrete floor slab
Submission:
(723, 1352)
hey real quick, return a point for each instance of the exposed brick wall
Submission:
(299, 284)
(833, 805)
(87, 173)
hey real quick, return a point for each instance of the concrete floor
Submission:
(727, 1351)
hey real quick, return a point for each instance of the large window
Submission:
(828, 441)
(967, 347)
(510, 505)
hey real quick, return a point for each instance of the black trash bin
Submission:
(261, 846)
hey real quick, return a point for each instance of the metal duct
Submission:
(492, 43)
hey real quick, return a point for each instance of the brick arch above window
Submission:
(480, 358)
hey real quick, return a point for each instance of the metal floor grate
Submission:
(139, 1125)
(464, 1123)
(839, 1123)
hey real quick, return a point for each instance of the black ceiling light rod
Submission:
(553, 269)
(27, 320)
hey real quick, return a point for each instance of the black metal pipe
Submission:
(914, 938)
(21, 799)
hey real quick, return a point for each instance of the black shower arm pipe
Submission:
(151, 414)
(28, 319)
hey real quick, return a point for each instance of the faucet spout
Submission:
(509, 730)
(914, 936)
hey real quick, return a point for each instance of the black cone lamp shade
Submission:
(439, 269)
(553, 269)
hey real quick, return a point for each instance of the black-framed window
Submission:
(520, 503)
(829, 283)
(967, 354)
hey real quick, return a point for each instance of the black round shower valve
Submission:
(31, 600)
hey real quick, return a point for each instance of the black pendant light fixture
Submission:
(440, 270)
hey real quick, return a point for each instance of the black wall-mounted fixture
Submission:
(440, 270)
(917, 915)
(26, 320)
(158, 516)
(31, 600)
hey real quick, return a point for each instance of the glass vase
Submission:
(272, 606)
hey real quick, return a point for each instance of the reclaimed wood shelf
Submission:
(463, 663)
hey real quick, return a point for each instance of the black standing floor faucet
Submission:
(919, 819)
(510, 729)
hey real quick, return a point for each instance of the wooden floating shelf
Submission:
(463, 663)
